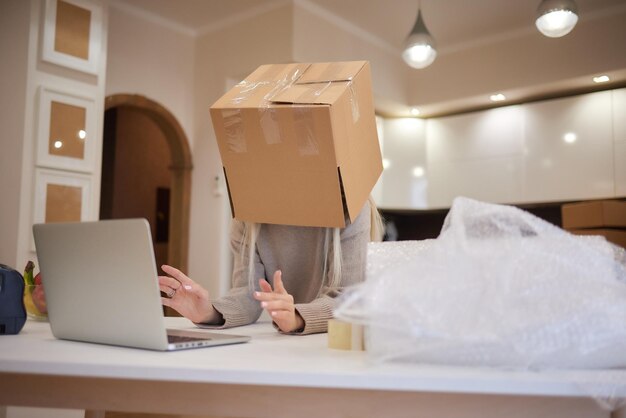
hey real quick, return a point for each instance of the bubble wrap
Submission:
(498, 287)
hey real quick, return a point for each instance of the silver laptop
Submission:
(101, 286)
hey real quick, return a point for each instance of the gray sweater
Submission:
(299, 253)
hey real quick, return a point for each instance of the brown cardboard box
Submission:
(594, 214)
(616, 236)
(297, 138)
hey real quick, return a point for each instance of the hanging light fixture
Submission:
(419, 47)
(556, 18)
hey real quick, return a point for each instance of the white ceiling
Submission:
(453, 23)
(456, 25)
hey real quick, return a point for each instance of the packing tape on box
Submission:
(246, 89)
(354, 103)
(305, 131)
(234, 130)
(268, 116)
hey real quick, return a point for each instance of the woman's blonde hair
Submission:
(332, 245)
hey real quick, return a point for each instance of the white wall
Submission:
(26, 73)
(320, 36)
(14, 32)
(154, 61)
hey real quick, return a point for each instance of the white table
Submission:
(271, 376)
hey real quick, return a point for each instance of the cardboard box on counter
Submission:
(616, 236)
(298, 143)
(594, 214)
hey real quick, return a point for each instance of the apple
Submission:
(39, 297)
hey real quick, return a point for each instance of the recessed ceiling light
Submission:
(415, 111)
(58, 144)
(82, 134)
(418, 171)
(497, 97)
(601, 79)
(570, 137)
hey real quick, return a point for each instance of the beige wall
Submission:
(24, 74)
(151, 60)
(319, 36)
(14, 25)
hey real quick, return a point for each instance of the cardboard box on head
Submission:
(299, 144)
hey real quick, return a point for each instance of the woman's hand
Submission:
(187, 297)
(279, 304)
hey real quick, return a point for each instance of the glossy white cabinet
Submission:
(569, 149)
(619, 114)
(620, 169)
(489, 180)
(404, 158)
(477, 155)
(619, 131)
(556, 150)
(478, 135)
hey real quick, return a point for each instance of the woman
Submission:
(299, 271)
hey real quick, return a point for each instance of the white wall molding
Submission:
(153, 18)
(348, 26)
(242, 17)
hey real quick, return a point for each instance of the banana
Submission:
(28, 273)
(29, 281)
(30, 305)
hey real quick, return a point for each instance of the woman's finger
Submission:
(281, 315)
(277, 305)
(265, 286)
(270, 296)
(278, 282)
(178, 275)
(169, 282)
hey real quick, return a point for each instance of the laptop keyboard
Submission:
(173, 339)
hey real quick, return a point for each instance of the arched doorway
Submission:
(180, 169)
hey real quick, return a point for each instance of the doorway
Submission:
(146, 156)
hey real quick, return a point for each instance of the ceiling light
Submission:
(497, 97)
(58, 144)
(415, 111)
(556, 18)
(601, 79)
(419, 47)
(418, 172)
(82, 134)
(570, 137)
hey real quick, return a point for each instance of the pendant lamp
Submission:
(419, 47)
(556, 18)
